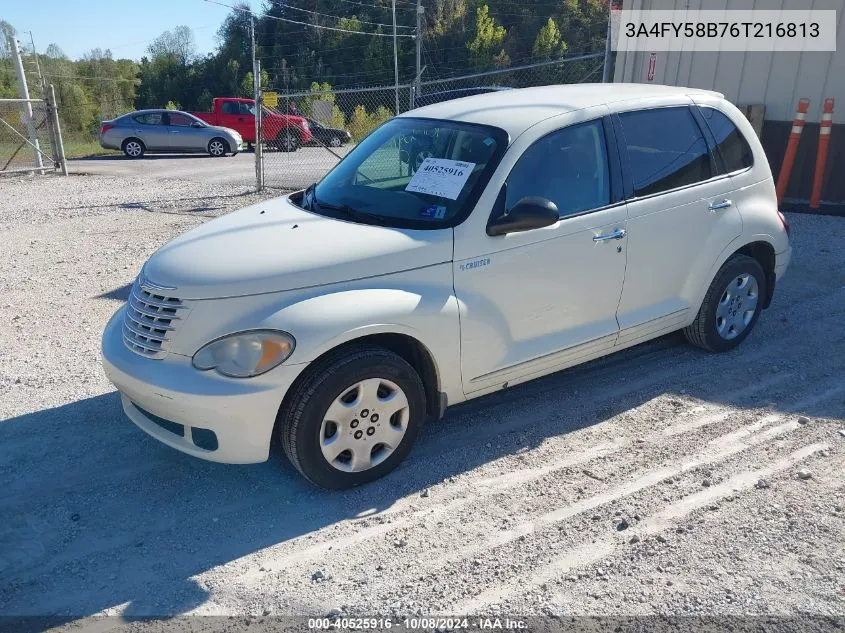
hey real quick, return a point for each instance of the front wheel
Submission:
(335, 141)
(354, 418)
(218, 147)
(287, 142)
(731, 306)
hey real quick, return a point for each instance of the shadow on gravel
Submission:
(98, 514)
(120, 294)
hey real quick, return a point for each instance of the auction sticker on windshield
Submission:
(441, 177)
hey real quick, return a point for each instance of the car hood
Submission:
(275, 246)
(232, 132)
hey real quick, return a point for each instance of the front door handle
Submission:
(616, 235)
(724, 204)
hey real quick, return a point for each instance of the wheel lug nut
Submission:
(358, 435)
(371, 430)
(353, 424)
(365, 413)
(374, 417)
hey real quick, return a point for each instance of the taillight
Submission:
(784, 221)
(105, 128)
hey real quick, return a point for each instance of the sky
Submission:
(123, 26)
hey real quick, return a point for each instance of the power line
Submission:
(89, 78)
(336, 17)
(316, 26)
(376, 6)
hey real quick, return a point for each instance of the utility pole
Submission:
(23, 91)
(419, 49)
(605, 76)
(256, 88)
(395, 61)
(38, 67)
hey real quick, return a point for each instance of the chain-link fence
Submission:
(29, 138)
(296, 155)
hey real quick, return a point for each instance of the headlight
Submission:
(246, 354)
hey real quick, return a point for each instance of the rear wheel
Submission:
(218, 147)
(354, 419)
(731, 306)
(133, 148)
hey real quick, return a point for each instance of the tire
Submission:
(731, 306)
(374, 377)
(218, 147)
(286, 142)
(133, 148)
(335, 141)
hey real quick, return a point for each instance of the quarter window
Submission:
(666, 149)
(733, 152)
(568, 167)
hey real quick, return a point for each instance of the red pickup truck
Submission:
(286, 131)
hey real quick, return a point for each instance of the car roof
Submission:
(516, 110)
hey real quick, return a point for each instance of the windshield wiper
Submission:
(349, 212)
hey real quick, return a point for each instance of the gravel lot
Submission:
(661, 480)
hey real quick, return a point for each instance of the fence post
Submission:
(23, 90)
(56, 130)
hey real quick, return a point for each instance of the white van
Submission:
(459, 249)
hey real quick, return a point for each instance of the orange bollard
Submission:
(792, 148)
(821, 156)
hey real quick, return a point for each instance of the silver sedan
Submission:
(167, 131)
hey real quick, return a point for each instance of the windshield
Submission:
(411, 173)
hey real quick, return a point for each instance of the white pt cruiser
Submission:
(459, 249)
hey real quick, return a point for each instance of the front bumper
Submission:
(240, 412)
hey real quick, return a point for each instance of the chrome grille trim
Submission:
(149, 319)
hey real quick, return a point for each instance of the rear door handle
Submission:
(616, 235)
(724, 204)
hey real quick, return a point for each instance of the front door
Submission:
(539, 300)
(184, 137)
(682, 212)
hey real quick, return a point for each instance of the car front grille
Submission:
(150, 320)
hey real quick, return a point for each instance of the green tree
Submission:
(548, 44)
(486, 48)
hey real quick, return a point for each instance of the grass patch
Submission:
(81, 149)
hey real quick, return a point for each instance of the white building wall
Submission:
(776, 79)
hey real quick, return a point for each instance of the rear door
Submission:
(150, 127)
(681, 215)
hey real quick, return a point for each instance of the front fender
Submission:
(419, 303)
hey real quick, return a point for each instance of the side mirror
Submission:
(532, 212)
(197, 124)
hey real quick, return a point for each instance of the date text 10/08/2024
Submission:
(417, 623)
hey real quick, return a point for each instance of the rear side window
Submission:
(666, 149)
(568, 167)
(150, 118)
(732, 150)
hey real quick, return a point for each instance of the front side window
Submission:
(666, 149)
(411, 173)
(179, 119)
(732, 150)
(568, 167)
(230, 107)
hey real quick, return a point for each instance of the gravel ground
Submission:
(661, 480)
